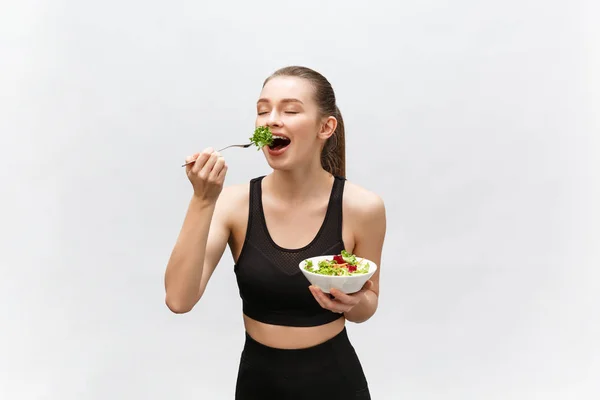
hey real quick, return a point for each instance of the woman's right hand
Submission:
(207, 174)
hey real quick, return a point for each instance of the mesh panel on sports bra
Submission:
(271, 285)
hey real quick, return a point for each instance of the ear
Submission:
(327, 128)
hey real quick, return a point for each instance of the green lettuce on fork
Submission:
(262, 137)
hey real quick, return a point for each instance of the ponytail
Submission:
(333, 155)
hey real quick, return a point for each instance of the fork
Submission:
(244, 146)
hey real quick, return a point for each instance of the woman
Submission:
(296, 343)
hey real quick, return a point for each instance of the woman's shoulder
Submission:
(362, 203)
(233, 203)
(236, 193)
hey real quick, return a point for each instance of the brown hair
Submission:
(333, 155)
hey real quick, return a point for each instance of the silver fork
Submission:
(233, 145)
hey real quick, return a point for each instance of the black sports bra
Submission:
(271, 285)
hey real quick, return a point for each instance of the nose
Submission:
(274, 120)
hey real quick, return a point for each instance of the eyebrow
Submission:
(288, 100)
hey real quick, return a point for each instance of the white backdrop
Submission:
(477, 122)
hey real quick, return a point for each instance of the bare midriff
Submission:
(292, 337)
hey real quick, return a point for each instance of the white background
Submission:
(477, 122)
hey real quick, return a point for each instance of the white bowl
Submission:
(346, 284)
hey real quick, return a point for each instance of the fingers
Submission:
(207, 174)
(344, 298)
(330, 304)
(217, 167)
(368, 285)
(188, 160)
(222, 173)
(191, 158)
(209, 165)
(201, 160)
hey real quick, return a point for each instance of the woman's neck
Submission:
(299, 185)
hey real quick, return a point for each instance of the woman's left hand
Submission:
(341, 302)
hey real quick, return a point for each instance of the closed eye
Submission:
(287, 112)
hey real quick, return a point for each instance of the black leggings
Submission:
(328, 371)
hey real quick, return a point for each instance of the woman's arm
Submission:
(369, 237)
(367, 220)
(199, 248)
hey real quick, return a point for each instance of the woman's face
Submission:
(286, 105)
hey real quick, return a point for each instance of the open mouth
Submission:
(279, 142)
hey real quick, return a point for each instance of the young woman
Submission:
(296, 342)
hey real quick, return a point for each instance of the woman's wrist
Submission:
(365, 309)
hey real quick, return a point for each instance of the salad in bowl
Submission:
(345, 271)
